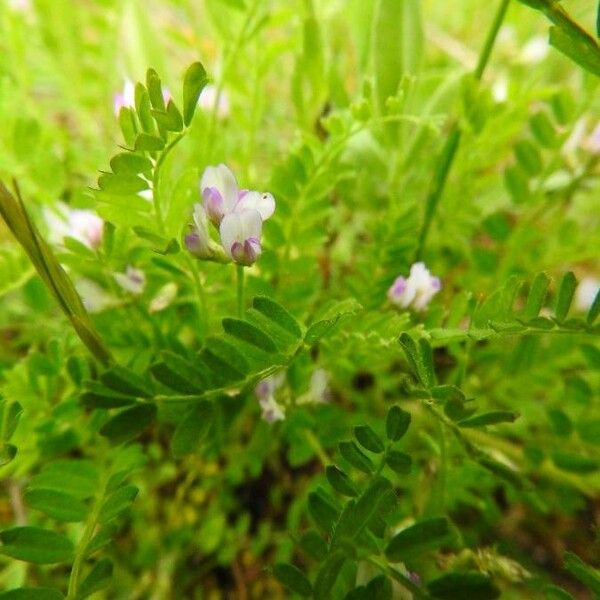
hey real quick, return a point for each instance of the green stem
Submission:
(200, 295)
(80, 552)
(450, 149)
(240, 290)
(484, 57)
(156, 179)
(441, 483)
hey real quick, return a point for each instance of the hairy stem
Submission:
(240, 290)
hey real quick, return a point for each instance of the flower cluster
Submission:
(416, 290)
(237, 214)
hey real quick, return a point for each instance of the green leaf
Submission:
(379, 588)
(553, 592)
(293, 578)
(56, 504)
(594, 309)
(154, 88)
(126, 382)
(97, 395)
(566, 290)
(351, 452)
(278, 315)
(423, 536)
(313, 545)
(122, 184)
(129, 423)
(178, 374)
(543, 129)
(322, 511)
(328, 574)
(117, 502)
(333, 315)
(97, 579)
(169, 120)
(7, 453)
(502, 471)
(536, 297)
(192, 428)
(130, 164)
(28, 593)
(10, 419)
(490, 418)
(146, 142)
(470, 584)
(193, 82)
(249, 333)
(368, 439)
(143, 107)
(579, 49)
(575, 463)
(529, 157)
(225, 362)
(358, 515)
(36, 545)
(128, 125)
(399, 462)
(420, 357)
(517, 183)
(340, 482)
(75, 477)
(396, 423)
(587, 574)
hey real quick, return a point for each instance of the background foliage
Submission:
(457, 455)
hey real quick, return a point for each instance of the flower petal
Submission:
(221, 179)
(240, 235)
(264, 203)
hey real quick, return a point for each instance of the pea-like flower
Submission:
(265, 392)
(417, 290)
(198, 240)
(222, 196)
(238, 215)
(132, 281)
(83, 225)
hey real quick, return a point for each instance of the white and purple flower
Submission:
(82, 225)
(265, 392)
(132, 281)
(238, 215)
(417, 290)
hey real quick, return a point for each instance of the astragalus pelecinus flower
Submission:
(238, 215)
(82, 225)
(416, 290)
(198, 240)
(265, 392)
